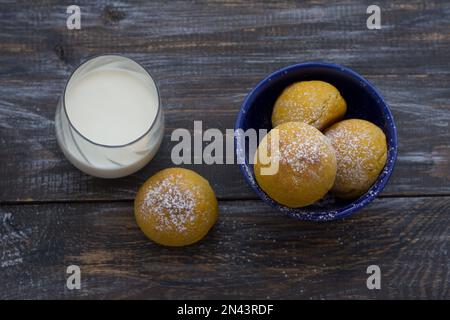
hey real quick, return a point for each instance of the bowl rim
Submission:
(351, 207)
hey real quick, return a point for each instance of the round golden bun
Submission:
(316, 103)
(361, 153)
(176, 207)
(306, 164)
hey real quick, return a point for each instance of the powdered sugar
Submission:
(171, 203)
(309, 109)
(356, 151)
(306, 149)
(312, 102)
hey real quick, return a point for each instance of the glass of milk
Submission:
(109, 121)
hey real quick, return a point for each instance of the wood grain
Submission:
(205, 57)
(252, 252)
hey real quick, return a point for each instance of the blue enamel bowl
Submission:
(363, 102)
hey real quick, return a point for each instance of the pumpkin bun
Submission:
(315, 102)
(361, 153)
(175, 207)
(305, 163)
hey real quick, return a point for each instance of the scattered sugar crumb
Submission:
(172, 202)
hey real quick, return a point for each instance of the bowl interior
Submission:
(363, 102)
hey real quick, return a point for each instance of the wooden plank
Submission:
(252, 252)
(206, 56)
(232, 36)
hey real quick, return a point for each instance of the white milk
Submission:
(111, 107)
(116, 124)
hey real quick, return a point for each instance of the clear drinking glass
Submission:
(109, 160)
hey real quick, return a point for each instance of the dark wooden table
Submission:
(206, 56)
